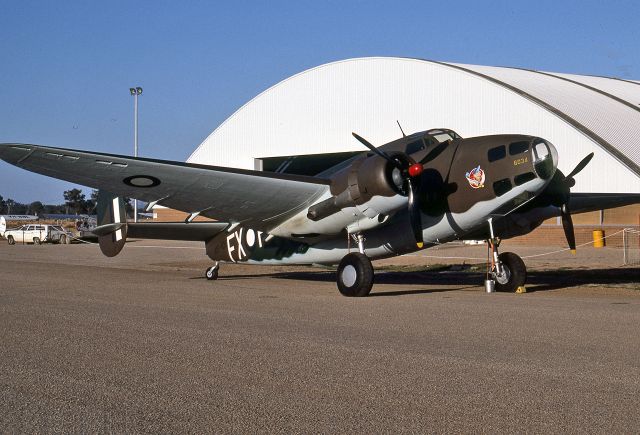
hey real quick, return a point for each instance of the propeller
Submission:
(584, 162)
(409, 171)
(567, 182)
(435, 152)
(375, 150)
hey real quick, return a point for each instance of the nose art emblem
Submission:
(475, 177)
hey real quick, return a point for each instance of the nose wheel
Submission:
(212, 272)
(507, 269)
(511, 274)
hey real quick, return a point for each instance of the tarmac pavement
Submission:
(143, 343)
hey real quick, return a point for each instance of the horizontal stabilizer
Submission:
(103, 230)
(194, 231)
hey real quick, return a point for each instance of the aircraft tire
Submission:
(355, 275)
(63, 240)
(11, 240)
(517, 272)
(212, 273)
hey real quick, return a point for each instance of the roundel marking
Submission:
(251, 238)
(141, 181)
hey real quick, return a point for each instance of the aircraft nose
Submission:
(545, 158)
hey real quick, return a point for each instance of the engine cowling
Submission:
(366, 178)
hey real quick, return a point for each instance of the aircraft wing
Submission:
(260, 199)
(585, 202)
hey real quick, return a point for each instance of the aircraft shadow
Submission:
(566, 278)
(544, 280)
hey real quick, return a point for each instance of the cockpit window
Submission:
(497, 153)
(543, 161)
(442, 135)
(518, 147)
(415, 146)
(540, 151)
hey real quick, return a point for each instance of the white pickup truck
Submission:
(37, 234)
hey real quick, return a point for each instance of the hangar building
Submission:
(316, 110)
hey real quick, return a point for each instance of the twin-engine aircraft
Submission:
(424, 189)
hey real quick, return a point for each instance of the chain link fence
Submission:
(631, 244)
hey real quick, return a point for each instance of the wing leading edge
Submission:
(262, 200)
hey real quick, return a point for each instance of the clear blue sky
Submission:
(66, 66)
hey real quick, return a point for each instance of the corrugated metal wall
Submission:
(316, 111)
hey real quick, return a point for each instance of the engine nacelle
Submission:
(365, 179)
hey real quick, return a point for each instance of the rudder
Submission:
(112, 223)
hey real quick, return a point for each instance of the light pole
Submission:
(135, 92)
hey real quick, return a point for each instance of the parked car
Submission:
(38, 234)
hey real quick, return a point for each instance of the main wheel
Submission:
(63, 239)
(11, 240)
(514, 273)
(212, 272)
(355, 275)
(36, 240)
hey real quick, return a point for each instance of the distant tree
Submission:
(74, 200)
(54, 209)
(128, 207)
(36, 208)
(14, 207)
(91, 203)
(10, 205)
(3, 204)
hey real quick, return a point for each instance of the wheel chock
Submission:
(521, 289)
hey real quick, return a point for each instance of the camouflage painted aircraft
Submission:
(424, 189)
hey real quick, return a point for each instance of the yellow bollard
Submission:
(598, 238)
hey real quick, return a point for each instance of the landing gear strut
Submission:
(355, 272)
(507, 269)
(212, 272)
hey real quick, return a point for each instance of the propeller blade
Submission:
(567, 225)
(584, 162)
(377, 151)
(435, 152)
(414, 212)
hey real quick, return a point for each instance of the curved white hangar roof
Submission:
(316, 110)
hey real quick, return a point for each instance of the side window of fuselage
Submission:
(497, 153)
(518, 147)
(501, 187)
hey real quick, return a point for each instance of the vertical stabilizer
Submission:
(112, 223)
